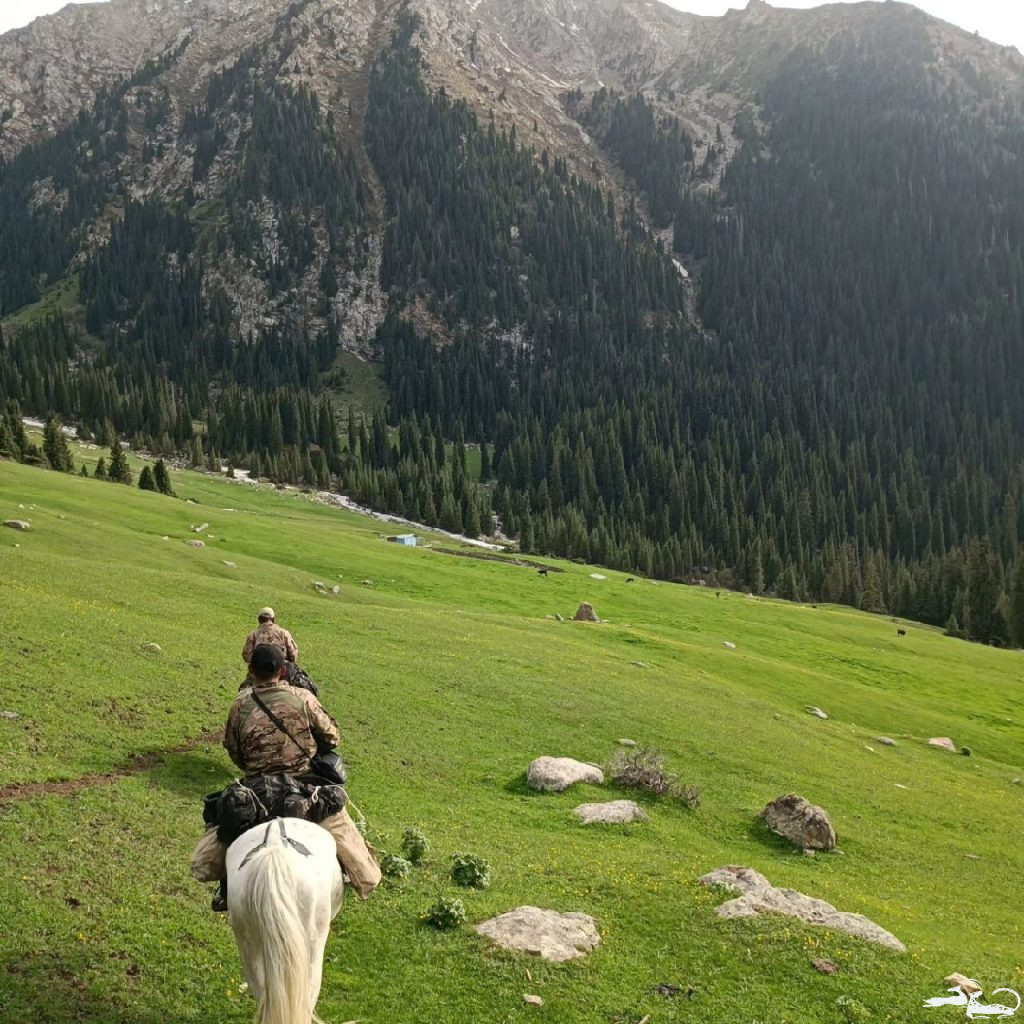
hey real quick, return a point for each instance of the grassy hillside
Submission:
(448, 679)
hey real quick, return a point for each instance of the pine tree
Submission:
(1015, 603)
(981, 602)
(118, 471)
(84, 471)
(101, 469)
(146, 481)
(162, 478)
(55, 447)
(871, 597)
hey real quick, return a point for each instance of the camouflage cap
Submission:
(266, 613)
(266, 660)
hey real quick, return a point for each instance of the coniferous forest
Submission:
(843, 420)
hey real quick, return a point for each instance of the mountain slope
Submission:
(730, 299)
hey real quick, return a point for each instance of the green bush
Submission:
(447, 912)
(851, 1011)
(393, 866)
(470, 870)
(414, 845)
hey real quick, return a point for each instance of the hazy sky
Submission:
(1000, 20)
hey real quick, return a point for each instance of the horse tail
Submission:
(266, 903)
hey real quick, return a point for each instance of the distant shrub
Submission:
(447, 912)
(393, 866)
(644, 768)
(414, 845)
(470, 870)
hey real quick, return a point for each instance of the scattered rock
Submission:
(1017, 781)
(11, 716)
(559, 617)
(200, 527)
(942, 743)
(18, 524)
(627, 743)
(640, 664)
(597, 576)
(553, 774)
(802, 823)
(335, 589)
(152, 648)
(972, 856)
(231, 565)
(885, 741)
(817, 712)
(967, 985)
(825, 966)
(319, 587)
(586, 613)
(729, 644)
(614, 812)
(867, 746)
(544, 933)
(532, 1000)
(165, 537)
(759, 896)
(195, 543)
(367, 583)
(899, 785)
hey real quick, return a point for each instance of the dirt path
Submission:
(139, 763)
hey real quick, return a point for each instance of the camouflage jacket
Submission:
(270, 633)
(258, 746)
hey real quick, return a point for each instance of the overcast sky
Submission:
(1000, 20)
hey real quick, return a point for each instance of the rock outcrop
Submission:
(759, 896)
(554, 774)
(614, 812)
(585, 613)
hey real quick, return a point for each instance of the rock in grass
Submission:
(942, 743)
(152, 648)
(804, 824)
(230, 565)
(817, 712)
(627, 743)
(825, 966)
(532, 1000)
(10, 716)
(196, 543)
(885, 741)
(967, 985)
(729, 644)
(759, 896)
(614, 812)
(18, 524)
(335, 590)
(585, 613)
(553, 774)
(544, 933)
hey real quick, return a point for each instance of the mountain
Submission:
(735, 299)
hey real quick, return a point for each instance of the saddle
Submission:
(258, 799)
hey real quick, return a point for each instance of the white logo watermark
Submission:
(968, 993)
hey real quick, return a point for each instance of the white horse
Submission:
(284, 889)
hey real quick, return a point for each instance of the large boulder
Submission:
(553, 774)
(585, 613)
(802, 823)
(544, 933)
(943, 743)
(614, 812)
(759, 896)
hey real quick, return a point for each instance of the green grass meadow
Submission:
(448, 677)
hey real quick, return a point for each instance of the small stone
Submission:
(559, 617)
(200, 527)
(165, 537)
(18, 524)
(885, 741)
(152, 648)
(809, 852)
(586, 613)
(335, 589)
(319, 586)
(231, 565)
(627, 743)
(532, 1000)
(967, 985)
(867, 747)
(942, 743)
(729, 644)
(597, 576)
(367, 583)
(899, 785)
(195, 543)
(1017, 781)
(825, 966)
(640, 664)
(972, 856)
(817, 712)
(11, 716)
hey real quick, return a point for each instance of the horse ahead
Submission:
(284, 888)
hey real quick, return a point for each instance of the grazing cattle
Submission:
(629, 579)
(901, 632)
